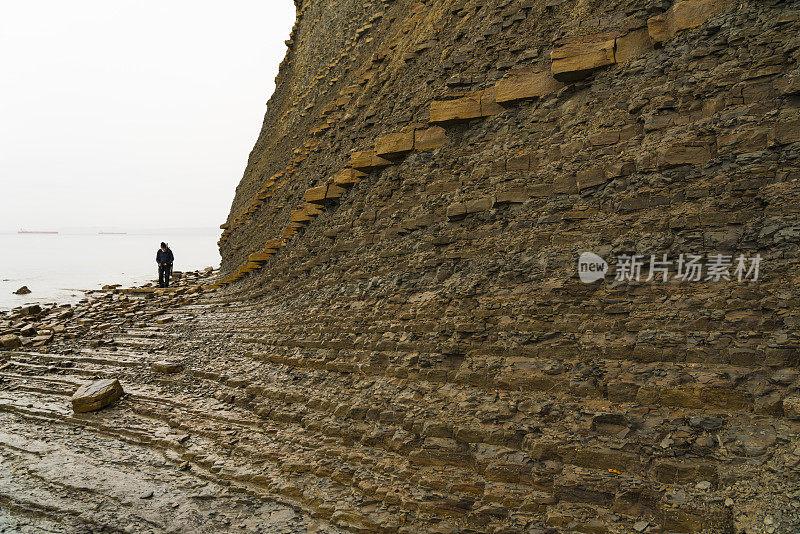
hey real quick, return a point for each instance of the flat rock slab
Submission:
(167, 367)
(96, 395)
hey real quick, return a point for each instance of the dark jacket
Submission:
(163, 257)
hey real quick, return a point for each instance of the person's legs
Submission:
(167, 273)
(161, 272)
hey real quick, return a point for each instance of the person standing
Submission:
(164, 259)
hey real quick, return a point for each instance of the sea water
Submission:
(56, 268)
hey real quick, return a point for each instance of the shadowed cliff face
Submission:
(405, 248)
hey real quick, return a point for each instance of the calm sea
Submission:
(57, 267)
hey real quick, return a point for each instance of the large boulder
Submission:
(10, 341)
(23, 291)
(96, 395)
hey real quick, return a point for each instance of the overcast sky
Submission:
(131, 114)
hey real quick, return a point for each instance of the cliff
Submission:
(410, 223)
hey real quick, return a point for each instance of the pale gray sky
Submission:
(130, 113)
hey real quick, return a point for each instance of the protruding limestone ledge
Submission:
(366, 160)
(347, 177)
(524, 85)
(259, 256)
(465, 106)
(323, 193)
(683, 15)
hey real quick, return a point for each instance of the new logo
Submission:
(591, 267)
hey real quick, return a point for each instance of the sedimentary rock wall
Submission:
(407, 235)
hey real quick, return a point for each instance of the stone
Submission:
(706, 422)
(632, 45)
(300, 216)
(622, 391)
(23, 291)
(367, 160)
(315, 194)
(281, 516)
(676, 471)
(28, 330)
(576, 60)
(683, 15)
(96, 395)
(512, 196)
(489, 105)
(395, 144)
(167, 367)
(10, 341)
(31, 309)
(333, 192)
(565, 184)
(591, 177)
(787, 132)
(525, 85)
(347, 177)
(456, 211)
(791, 407)
(481, 204)
(429, 138)
(459, 109)
(687, 154)
(789, 85)
(38, 341)
(470, 106)
(260, 256)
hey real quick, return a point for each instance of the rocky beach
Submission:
(148, 462)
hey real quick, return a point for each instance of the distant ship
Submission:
(113, 233)
(34, 232)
